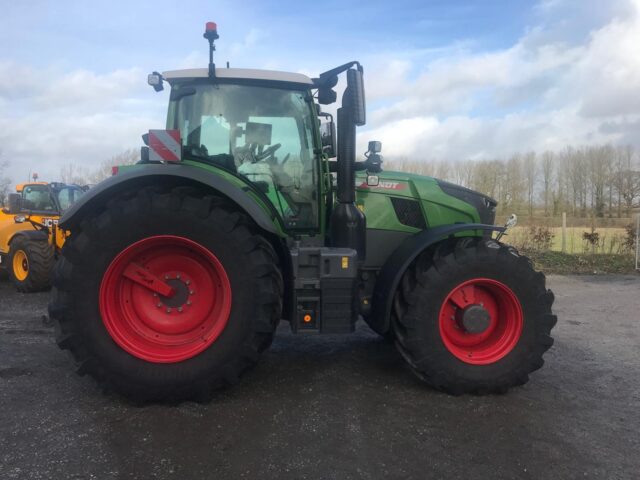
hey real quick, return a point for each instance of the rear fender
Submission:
(401, 258)
(149, 175)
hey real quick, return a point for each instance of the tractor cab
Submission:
(258, 125)
(43, 198)
(263, 127)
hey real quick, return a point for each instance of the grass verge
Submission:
(581, 263)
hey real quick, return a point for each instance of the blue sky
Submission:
(102, 36)
(445, 79)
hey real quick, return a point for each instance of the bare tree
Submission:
(530, 168)
(597, 176)
(630, 179)
(74, 173)
(547, 174)
(619, 167)
(127, 157)
(587, 180)
(513, 183)
(486, 176)
(5, 181)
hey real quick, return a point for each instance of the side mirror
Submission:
(15, 202)
(326, 93)
(155, 80)
(373, 163)
(328, 138)
(355, 86)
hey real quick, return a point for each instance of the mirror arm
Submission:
(324, 77)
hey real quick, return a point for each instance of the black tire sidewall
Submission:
(35, 280)
(120, 231)
(503, 267)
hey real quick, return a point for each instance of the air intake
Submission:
(408, 212)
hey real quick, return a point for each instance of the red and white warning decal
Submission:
(165, 146)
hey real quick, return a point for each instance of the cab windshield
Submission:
(44, 199)
(38, 198)
(263, 134)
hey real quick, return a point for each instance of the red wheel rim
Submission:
(167, 329)
(504, 323)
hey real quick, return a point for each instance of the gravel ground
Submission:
(337, 407)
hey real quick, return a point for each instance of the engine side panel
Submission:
(403, 204)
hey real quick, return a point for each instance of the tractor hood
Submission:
(439, 202)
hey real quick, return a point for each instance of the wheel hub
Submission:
(180, 296)
(481, 321)
(20, 265)
(149, 299)
(475, 319)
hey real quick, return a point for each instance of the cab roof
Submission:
(20, 186)
(55, 185)
(241, 74)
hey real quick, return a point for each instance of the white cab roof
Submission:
(240, 73)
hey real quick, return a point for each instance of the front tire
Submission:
(473, 317)
(225, 307)
(30, 263)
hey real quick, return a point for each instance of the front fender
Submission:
(152, 174)
(398, 262)
(35, 235)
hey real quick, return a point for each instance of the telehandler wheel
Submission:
(166, 295)
(30, 263)
(473, 317)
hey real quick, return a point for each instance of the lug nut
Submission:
(178, 277)
(191, 292)
(155, 294)
(180, 309)
(166, 277)
(159, 304)
(188, 302)
(188, 282)
(168, 310)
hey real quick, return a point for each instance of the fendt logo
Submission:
(387, 185)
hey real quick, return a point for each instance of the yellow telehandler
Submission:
(29, 237)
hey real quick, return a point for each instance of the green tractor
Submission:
(178, 269)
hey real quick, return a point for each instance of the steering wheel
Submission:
(268, 152)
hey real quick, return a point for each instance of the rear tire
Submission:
(107, 322)
(30, 263)
(508, 301)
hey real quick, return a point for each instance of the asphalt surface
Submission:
(337, 407)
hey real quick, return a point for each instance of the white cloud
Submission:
(572, 78)
(533, 95)
(49, 119)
